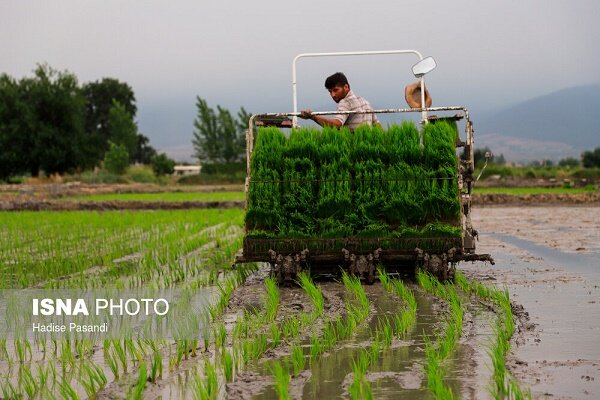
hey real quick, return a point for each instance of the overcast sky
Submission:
(489, 53)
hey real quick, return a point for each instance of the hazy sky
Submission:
(489, 53)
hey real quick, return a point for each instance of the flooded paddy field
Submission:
(327, 337)
(549, 259)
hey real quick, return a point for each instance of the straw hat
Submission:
(412, 94)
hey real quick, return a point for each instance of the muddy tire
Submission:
(438, 266)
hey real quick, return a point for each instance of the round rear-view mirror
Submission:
(423, 67)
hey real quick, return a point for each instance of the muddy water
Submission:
(399, 371)
(557, 349)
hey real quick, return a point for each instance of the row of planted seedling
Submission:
(505, 386)
(388, 328)
(333, 183)
(357, 311)
(437, 351)
(255, 333)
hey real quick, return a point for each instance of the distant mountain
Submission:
(553, 126)
(522, 150)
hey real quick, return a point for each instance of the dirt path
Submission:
(549, 258)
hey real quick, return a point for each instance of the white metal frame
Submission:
(352, 53)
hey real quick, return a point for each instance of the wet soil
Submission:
(549, 259)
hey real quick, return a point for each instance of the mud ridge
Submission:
(538, 199)
(53, 205)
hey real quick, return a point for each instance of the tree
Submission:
(568, 162)
(116, 159)
(48, 122)
(144, 152)
(99, 99)
(218, 136)
(13, 129)
(591, 159)
(162, 165)
(121, 128)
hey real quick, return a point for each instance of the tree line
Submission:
(50, 123)
(588, 159)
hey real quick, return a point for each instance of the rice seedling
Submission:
(315, 294)
(375, 347)
(45, 376)
(353, 285)
(66, 390)
(22, 350)
(259, 346)
(9, 391)
(515, 392)
(272, 298)
(207, 387)
(121, 353)
(3, 350)
(138, 389)
(275, 334)
(220, 335)
(344, 327)
(291, 327)
(156, 366)
(27, 381)
(67, 359)
(497, 354)
(316, 348)
(386, 332)
(228, 365)
(92, 378)
(282, 380)
(360, 388)
(110, 358)
(298, 359)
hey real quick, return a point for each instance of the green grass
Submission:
(163, 196)
(535, 190)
